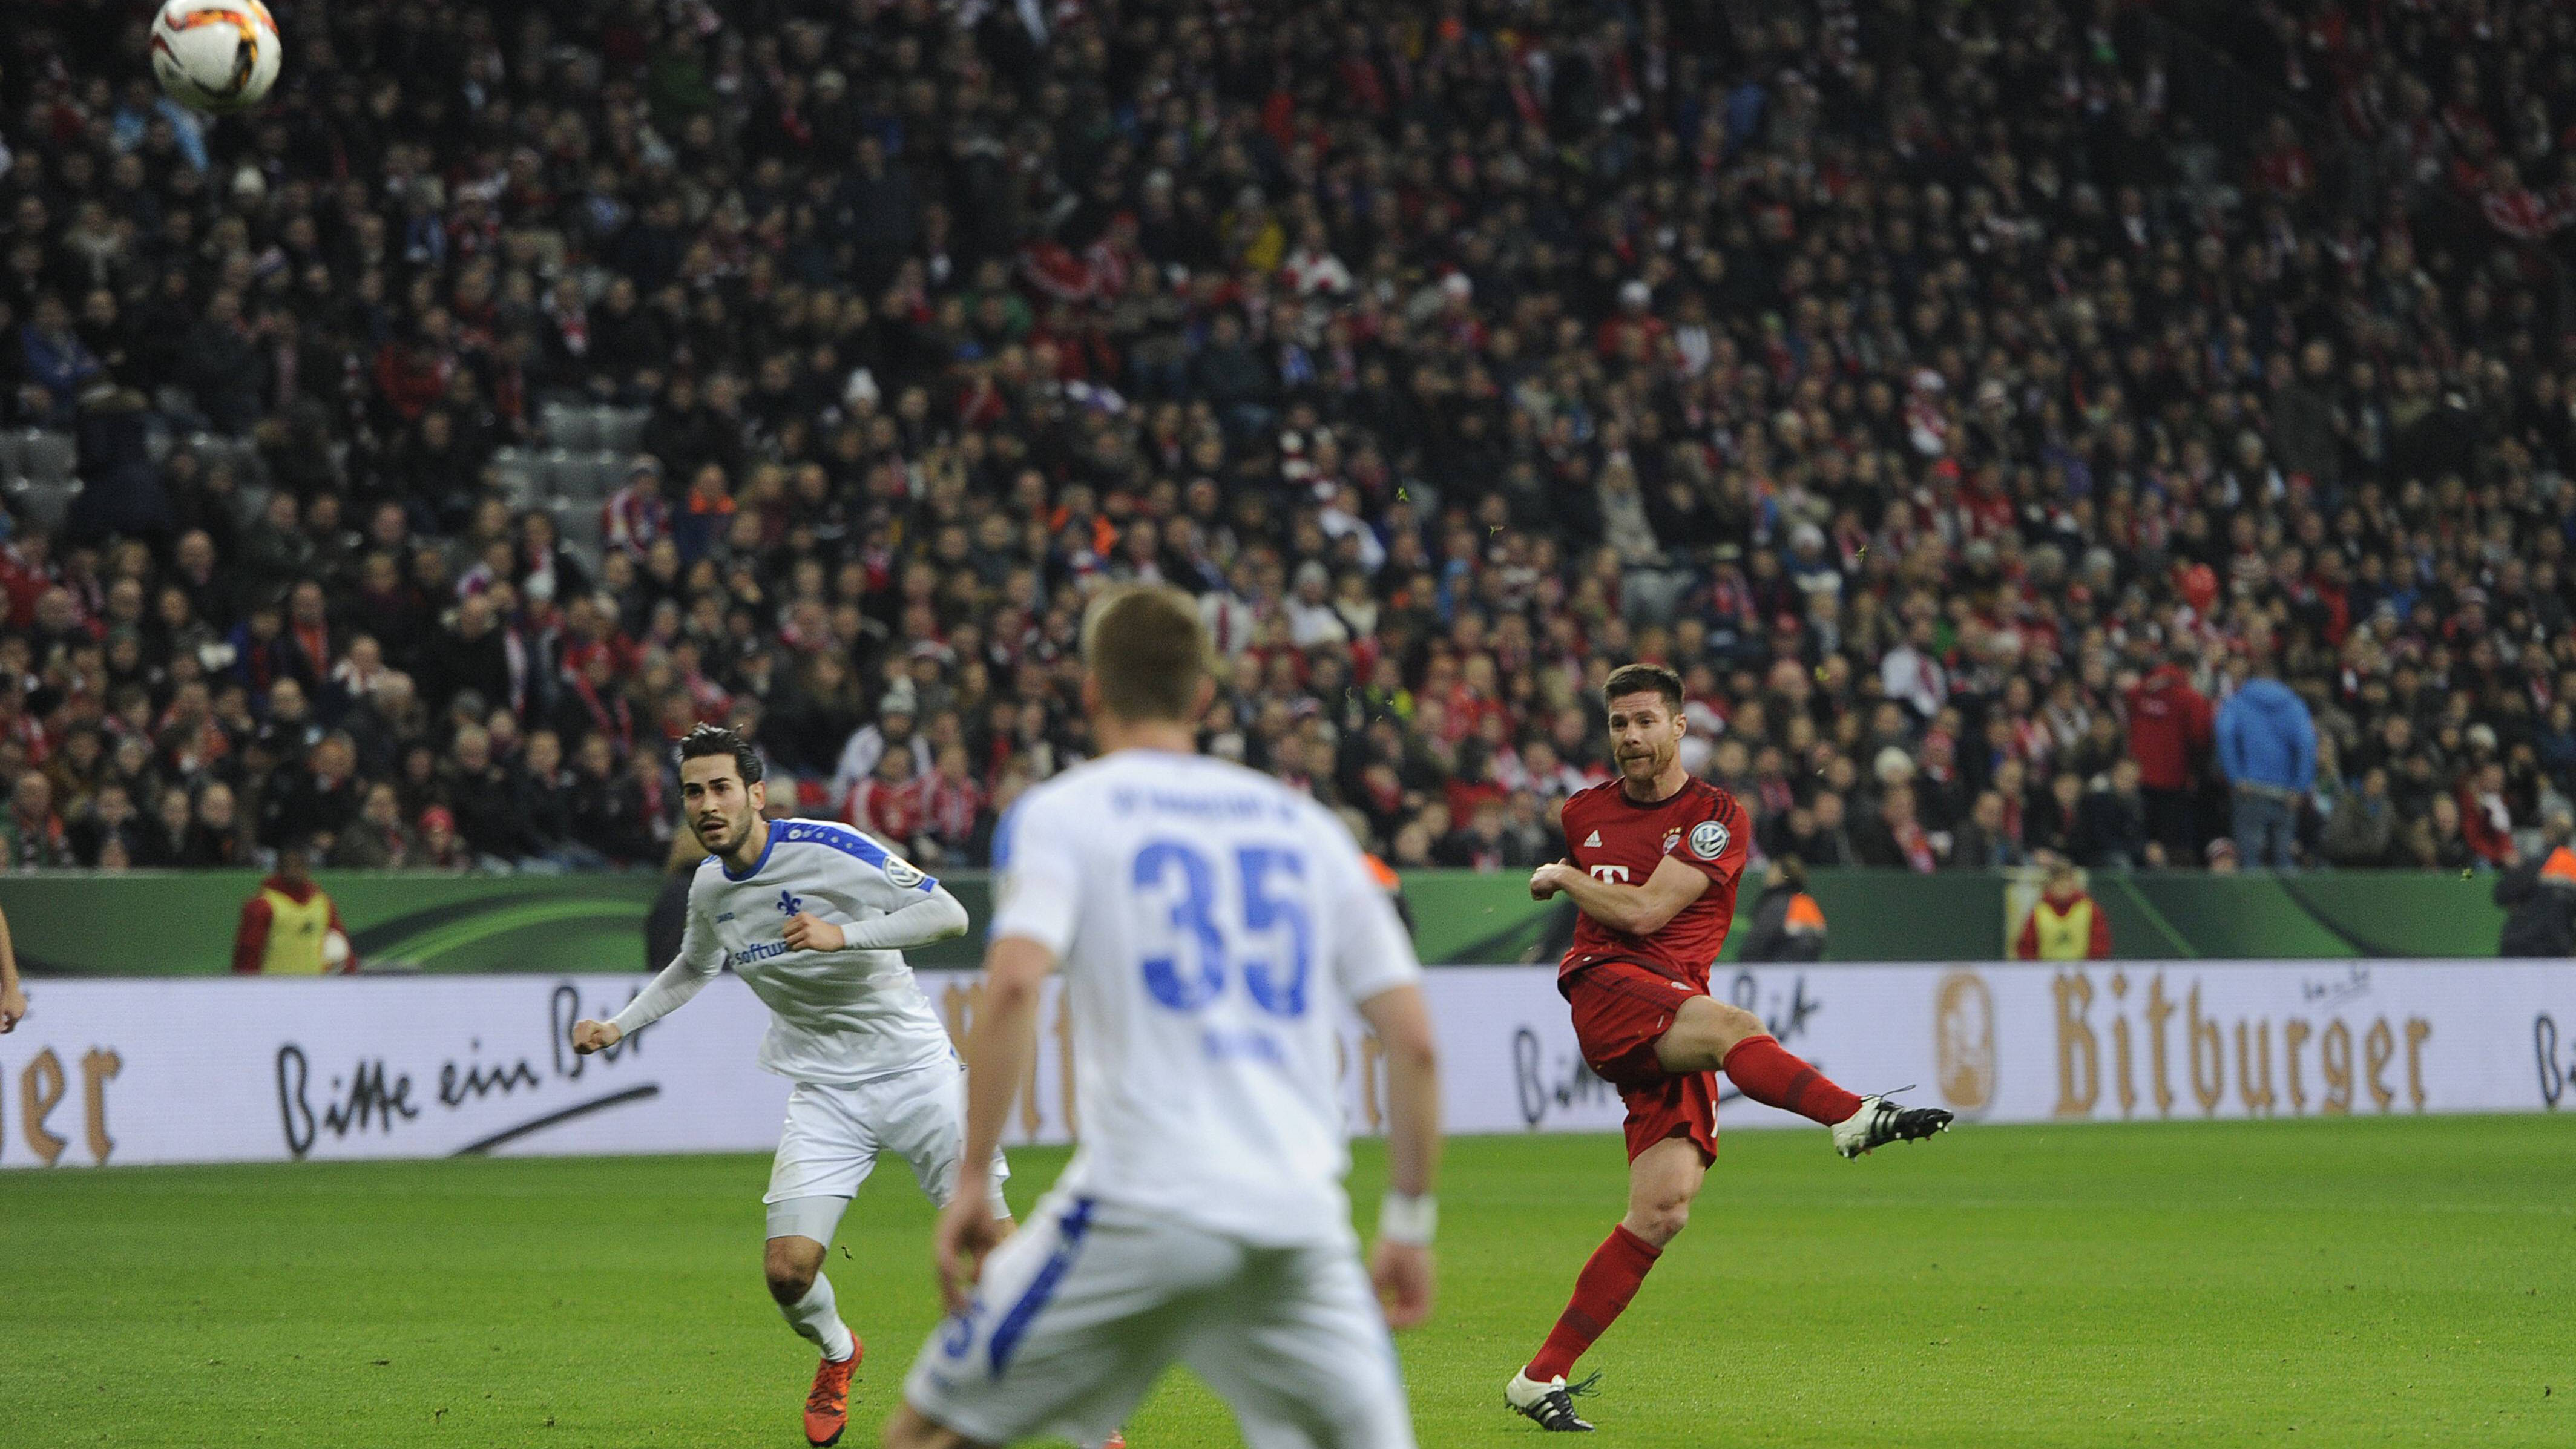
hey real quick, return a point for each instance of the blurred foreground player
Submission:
(1653, 860)
(813, 916)
(1212, 926)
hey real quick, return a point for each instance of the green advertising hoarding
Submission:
(182, 923)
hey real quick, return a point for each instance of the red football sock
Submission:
(1601, 1294)
(1769, 1075)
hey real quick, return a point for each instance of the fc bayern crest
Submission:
(1708, 840)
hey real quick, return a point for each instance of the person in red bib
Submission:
(1653, 859)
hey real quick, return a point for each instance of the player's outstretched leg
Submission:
(1708, 1034)
(794, 1267)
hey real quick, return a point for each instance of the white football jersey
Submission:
(1211, 924)
(835, 1017)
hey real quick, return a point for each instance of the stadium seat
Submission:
(622, 429)
(41, 504)
(517, 471)
(569, 427)
(46, 456)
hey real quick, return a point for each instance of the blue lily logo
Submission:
(788, 904)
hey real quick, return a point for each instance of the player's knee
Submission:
(1659, 1223)
(1732, 1024)
(790, 1273)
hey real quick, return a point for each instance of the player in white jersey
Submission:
(1214, 929)
(813, 917)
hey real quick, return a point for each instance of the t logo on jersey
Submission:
(1610, 874)
(788, 904)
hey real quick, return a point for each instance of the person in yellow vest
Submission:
(2066, 925)
(289, 927)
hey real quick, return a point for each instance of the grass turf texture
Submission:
(2325, 1283)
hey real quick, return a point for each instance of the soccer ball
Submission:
(215, 55)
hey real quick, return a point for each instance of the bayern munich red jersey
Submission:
(1615, 839)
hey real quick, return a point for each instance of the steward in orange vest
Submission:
(2539, 896)
(2066, 925)
(1788, 925)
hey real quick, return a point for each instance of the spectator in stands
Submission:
(32, 833)
(376, 839)
(2363, 828)
(2065, 923)
(2171, 728)
(1954, 394)
(440, 847)
(2112, 821)
(1979, 842)
(2267, 745)
(109, 820)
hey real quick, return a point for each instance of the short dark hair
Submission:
(707, 741)
(1147, 649)
(1630, 679)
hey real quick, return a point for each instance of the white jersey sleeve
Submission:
(701, 957)
(1037, 878)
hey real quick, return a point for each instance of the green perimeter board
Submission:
(181, 923)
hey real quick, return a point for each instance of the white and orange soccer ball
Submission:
(215, 55)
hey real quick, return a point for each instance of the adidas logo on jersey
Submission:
(1594, 842)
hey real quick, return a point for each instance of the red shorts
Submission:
(1621, 1009)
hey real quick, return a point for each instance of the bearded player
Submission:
(814, 917)
(1652, 862)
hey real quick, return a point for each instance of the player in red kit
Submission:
(1652, 861)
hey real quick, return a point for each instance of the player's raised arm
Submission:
(689, 972)
(1638, 910)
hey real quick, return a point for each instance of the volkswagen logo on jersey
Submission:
(1708, 840)
(902, 874)
(788, 904)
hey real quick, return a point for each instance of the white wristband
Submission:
(1402, 1218)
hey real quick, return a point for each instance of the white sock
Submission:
(817, 1318)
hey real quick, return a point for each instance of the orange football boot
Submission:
(827, 1405)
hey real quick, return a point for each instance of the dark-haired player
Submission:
(813, 917)
(1652, 862)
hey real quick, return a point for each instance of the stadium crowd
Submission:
(2012, 466)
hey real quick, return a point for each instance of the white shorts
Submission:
(833, 1135)
(1081, 1311)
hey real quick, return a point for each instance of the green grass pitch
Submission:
(2407, 1281)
